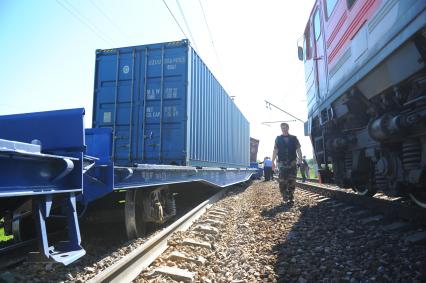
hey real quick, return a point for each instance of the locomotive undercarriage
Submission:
(377, 144)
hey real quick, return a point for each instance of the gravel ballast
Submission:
(260, 239)
(264, 240)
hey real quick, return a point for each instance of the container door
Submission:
(163, 105)
(319, 54)
(115, 99)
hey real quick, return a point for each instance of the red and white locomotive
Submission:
(365, 77)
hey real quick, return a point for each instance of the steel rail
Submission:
(129, 267)
(393, 209)
(17, 245)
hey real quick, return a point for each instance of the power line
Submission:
(82, 19)
(123, 34)
(186, 24)
(211, 37)
(269, 104)
(273, 122)
(175, 19)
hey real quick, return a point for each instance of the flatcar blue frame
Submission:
(50, 158)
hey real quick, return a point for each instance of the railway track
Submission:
(312, 240)
(394, 213)
(129, 267)
(105, 246)
(383, 211)
(320, 234)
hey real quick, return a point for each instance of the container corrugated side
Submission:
(218, 131)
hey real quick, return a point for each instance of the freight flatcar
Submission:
(160, 118)
(366, 90)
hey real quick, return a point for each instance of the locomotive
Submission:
(365, 80)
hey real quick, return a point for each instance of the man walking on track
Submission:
(287, 149)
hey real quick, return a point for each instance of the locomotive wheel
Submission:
(133, 214)
(365, 190)
(419, 197)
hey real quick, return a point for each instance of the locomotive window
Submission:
(307, 44)
(317, 25)
(350, 3)
(329, 6)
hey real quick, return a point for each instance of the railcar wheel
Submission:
(134, 214)
(365, 190)
(419, 197)
(23, 229)
(23, 223)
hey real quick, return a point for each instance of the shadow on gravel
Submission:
(237, 189)
(329, 245)
(272, 212)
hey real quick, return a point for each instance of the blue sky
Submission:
(47, 52)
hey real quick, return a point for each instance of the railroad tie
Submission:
(178, 256)
(361, 212)
(371, 219)
(331, 202)
(397, 226)
(216, 213)
(220, 210)
(174, 273)
(193, 242)
(418, 237)
(215, 216)
(348, 208)
(337, 205)
(207, 229)
(212, 222)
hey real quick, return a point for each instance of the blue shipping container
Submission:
(166, 107)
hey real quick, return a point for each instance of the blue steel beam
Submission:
(146, 175)
(25, 171)
(51, 154)
(41, 155)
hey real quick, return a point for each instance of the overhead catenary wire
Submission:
(113, 23)
(176, 21)
(269, 104)
(284, 121)
(186, 24)
(211, 37)
(85, 21)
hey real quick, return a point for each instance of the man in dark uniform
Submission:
(267, 168)
(287, 149)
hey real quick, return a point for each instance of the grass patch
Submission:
(3, 237)
(311, 173)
